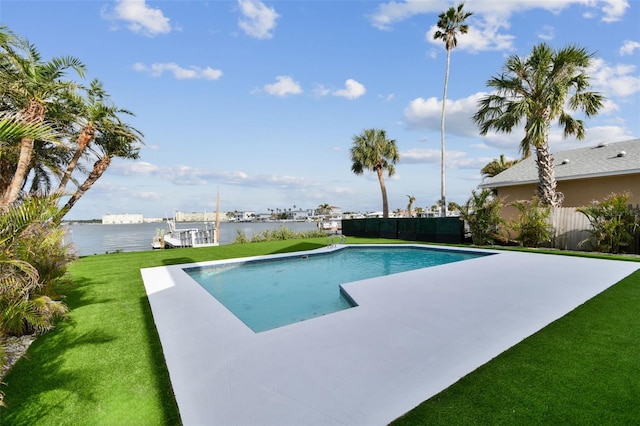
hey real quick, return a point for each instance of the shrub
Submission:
(532, 226)
(482, 215)
(280, 234)
(614, 223)
(241, 237)
(32, 260)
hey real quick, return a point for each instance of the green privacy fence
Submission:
(432, 229)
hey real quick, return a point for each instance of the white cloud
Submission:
(320, 90)
(285, 86)
(454, 159)
(629, 47)
(608, 107)
(607, 134)
(182, 175)
(394, 11)
(614, 10)
(618, 80)
(180, 73)
(147, 195)
(352, 90)
(134, 168)
(490, 16)
(258, 20)
(509, 143)
(485, 34)
(420, 156)
(547, 33)
(426, 114)
(141, 18)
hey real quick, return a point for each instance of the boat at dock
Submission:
(174, 237)
(333, 225)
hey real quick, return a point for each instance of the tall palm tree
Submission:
(450, 23)
(30, 86)
(537, 88)
(96, 114)
(122, 142)
(372, 151)
(497, 166)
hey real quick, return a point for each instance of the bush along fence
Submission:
(433, 230)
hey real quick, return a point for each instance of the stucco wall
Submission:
(577, 193)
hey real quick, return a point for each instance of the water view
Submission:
(92, 238)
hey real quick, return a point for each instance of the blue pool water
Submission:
(267, 294)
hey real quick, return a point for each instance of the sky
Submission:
(259, 101)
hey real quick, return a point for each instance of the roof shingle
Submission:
(605, 159)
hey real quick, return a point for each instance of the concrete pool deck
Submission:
(412, 335)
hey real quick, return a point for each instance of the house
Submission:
(245, 216)
(582, 175)
(122, 218)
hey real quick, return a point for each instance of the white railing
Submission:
(335, 239)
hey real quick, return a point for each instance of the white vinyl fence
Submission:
(570, 229)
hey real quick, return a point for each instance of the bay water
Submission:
(95, 238)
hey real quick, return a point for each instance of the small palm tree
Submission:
(324, 209)
(372, 151)
(537, 88)
(482, 215)
(450, 23)
(412, 200)
(497, 166)
(532, 227)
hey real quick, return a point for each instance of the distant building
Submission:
(301, 215)
(263, 216)
(245, 216)
(124, 218)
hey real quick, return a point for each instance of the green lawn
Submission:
(104, 364)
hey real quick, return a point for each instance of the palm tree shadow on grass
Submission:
(177, 261)
(299, 247)
(76, 296)
(71, 367)
(43, 380)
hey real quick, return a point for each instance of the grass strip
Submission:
(581, 369)
(104, 363)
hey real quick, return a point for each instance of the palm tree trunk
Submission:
(546, 178)
(383, 188)
(85, 137)
(99, 168)
(443, 207)
(34, 112)
(20, 175)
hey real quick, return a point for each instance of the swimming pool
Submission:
(270, 293)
